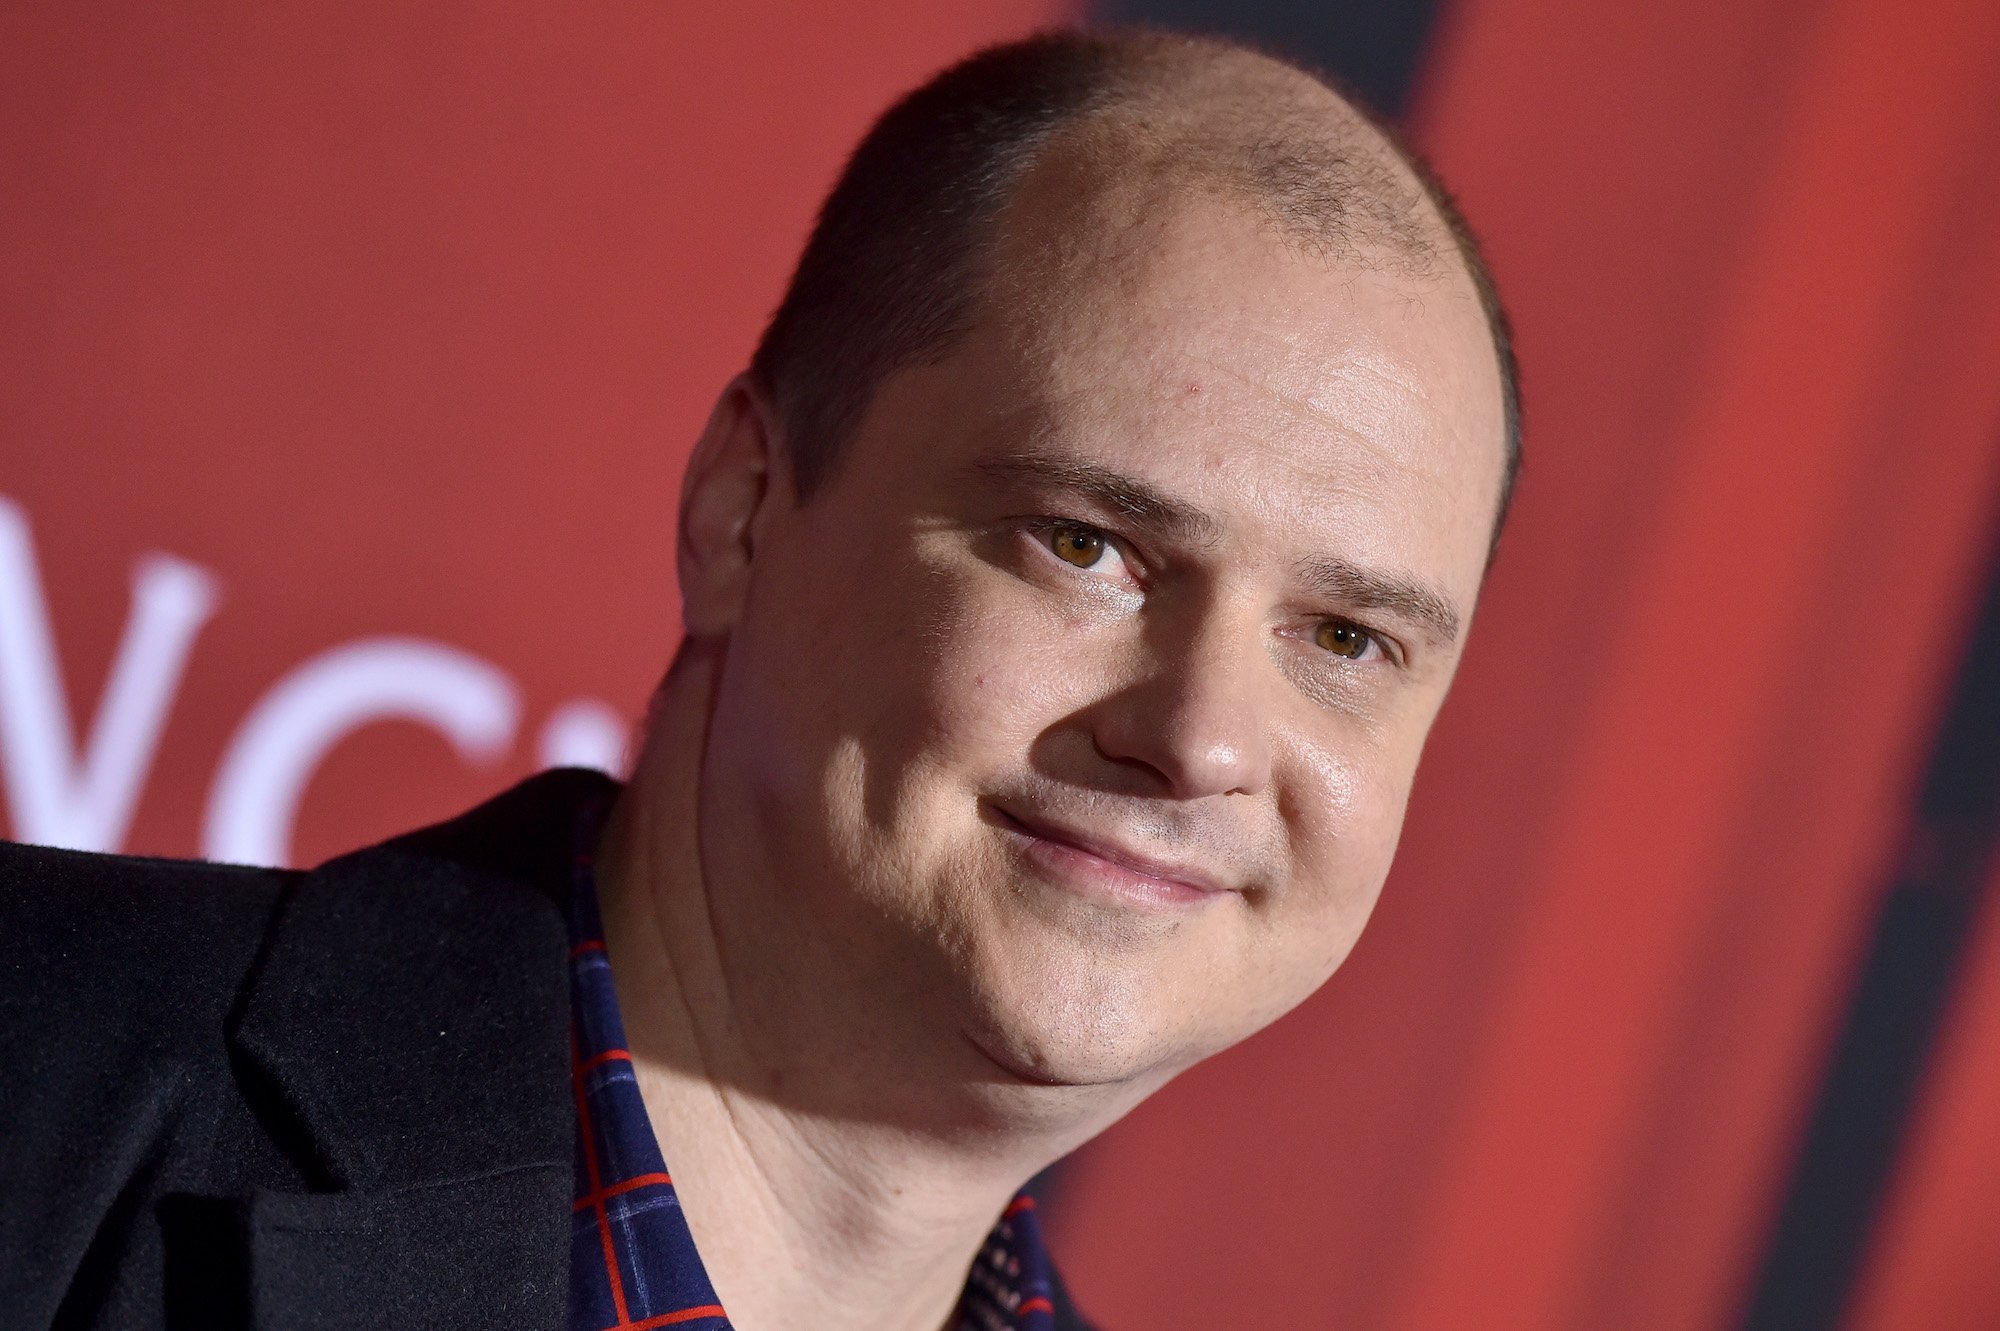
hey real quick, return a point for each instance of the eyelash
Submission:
(1047, 529)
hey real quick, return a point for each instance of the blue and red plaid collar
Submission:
(633, 1263)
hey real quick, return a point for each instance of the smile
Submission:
(1093, 867)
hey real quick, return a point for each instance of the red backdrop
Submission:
(352, 354)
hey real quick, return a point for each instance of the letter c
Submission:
(281, 743)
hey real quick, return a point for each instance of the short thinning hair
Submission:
(893, 272)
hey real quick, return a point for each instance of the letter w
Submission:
(52, 796)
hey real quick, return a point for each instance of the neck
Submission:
(822, 1189)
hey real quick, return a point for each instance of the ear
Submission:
(728, 481)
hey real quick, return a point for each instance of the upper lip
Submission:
(1171, 871)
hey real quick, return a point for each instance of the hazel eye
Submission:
(1343, 639)
(1081, 546)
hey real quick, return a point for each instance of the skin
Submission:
(1168, 565)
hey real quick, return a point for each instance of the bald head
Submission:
(1111, 126)
(1185, 115)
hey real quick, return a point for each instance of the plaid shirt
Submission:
(633, 1263)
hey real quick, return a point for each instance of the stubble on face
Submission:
(923, 684)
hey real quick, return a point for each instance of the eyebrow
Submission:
(1372, 589)
(1126, 495)
(1328, 576)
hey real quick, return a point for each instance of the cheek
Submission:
(888, 700)
(990, 685)
(991, 662)
(1343, 810)
(836, 638)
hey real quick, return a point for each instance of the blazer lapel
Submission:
(410, 1015)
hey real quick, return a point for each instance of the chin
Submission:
(1033, 1061)
(1089, 1033)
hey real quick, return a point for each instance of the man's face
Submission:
(1077, 712)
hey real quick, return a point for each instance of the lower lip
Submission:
(1093, 875)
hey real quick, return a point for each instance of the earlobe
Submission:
(728, 481)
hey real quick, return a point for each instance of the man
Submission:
(1068, 586)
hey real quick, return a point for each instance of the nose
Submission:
(1193, 723)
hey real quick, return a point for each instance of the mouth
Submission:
(1093, 866)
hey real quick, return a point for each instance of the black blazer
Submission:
(235, 1097)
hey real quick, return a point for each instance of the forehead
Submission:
(1176, 333)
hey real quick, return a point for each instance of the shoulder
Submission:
(412, 999)
(117, 979)
(117, 976)
(145, 959)
(391, 1021)
(151, 949)
(416, 915)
